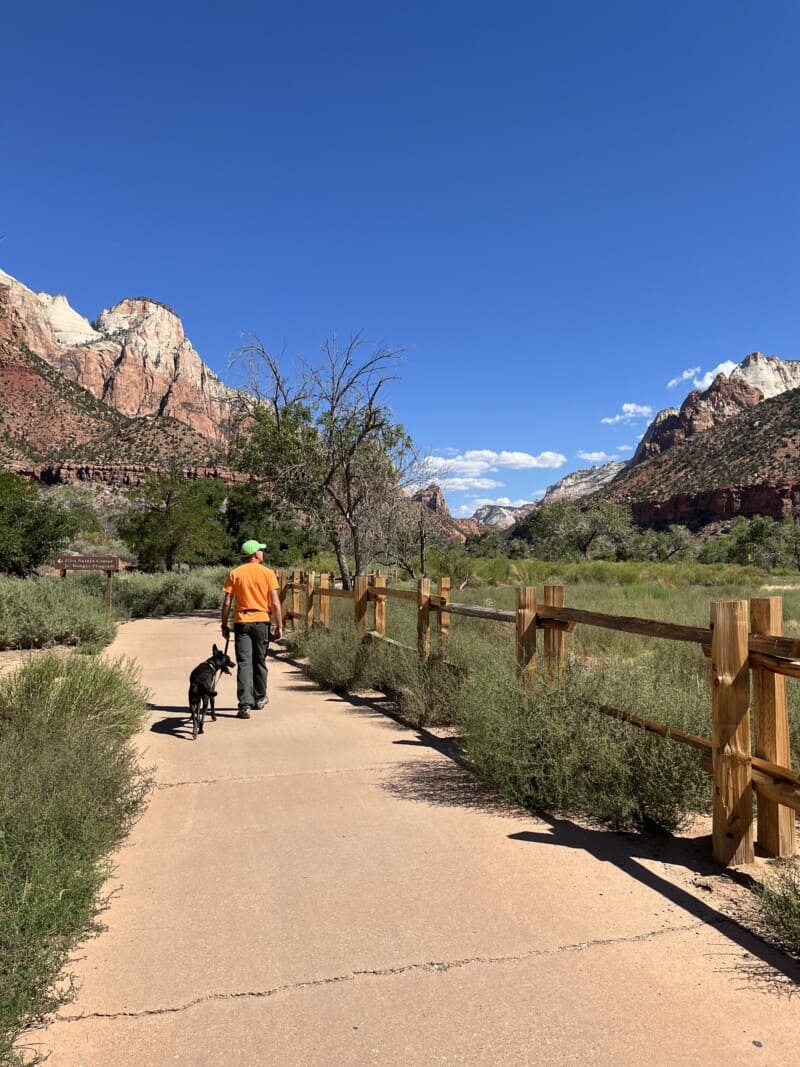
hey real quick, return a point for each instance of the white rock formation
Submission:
(69, 327)
(138, 360)
(582, 483)
(768, 373)
(501, 516)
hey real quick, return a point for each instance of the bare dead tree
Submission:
(324, 438)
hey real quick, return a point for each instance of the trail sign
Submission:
(109, 564)
(88, 563)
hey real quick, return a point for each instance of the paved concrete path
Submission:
(322, 885)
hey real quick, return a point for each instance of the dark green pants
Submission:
(251, 640)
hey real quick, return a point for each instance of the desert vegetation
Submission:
(548, 746)
(70, 788)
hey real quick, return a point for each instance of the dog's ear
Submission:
(215, 650)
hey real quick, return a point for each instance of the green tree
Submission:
(174, 521)
(32, 531)
(674, 543)
(250, 511)
(568, 530)
(488, 544)
(756, 541)
(322, 438)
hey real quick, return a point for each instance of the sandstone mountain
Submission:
(135, 358)
(433, 499)
(502, 516)
(693, 485)
(573, 486)
(747, 465)
(724, 399)
(582, 483)
(53, 428)
(768, 373)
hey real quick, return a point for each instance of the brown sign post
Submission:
(109, 564)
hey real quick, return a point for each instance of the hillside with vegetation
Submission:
(748, 465)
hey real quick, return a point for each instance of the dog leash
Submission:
(218, 675)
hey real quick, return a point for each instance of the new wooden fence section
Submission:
(750, 661)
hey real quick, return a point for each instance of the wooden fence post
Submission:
(732, 829)
(310, 578)
(379, 582)
(554, 639)
(324, 602)
(526, 630)
(361, 602)
(282, 594)
(776, 823)
(443, 617)
(424, 617)
(295, 612)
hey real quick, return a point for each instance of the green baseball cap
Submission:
(249, 548)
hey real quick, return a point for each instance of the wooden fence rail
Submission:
(750, 661)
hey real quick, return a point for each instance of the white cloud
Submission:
(466, 484)
(597, 457)
(630, 413)
(500, 502)
(684, 376)
(708, 378)
(478, 461)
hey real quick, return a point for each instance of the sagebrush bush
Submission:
(70, 788)
(139, 596)
(547, 746)
(37, 612)
(780, 904)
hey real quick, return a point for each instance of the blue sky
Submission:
(555, 209)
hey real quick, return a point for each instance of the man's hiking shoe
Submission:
(259, 704)
(244, 713)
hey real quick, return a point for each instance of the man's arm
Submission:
(225, 612)
(275, 613)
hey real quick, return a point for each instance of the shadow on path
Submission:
(450, 783)
(625, 851)
(179, 725)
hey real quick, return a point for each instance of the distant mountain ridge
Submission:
(749, 464)
(135, 358)
(96, 404)
(128, 394)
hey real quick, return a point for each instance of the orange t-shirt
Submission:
(250, 586)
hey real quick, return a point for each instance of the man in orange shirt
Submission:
(254, 589)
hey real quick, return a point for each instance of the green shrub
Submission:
(38, 612)
(70, 788)
(139, 596)
(336, 658)
(780, 904)
(550, 748)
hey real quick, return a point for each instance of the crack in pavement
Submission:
(432, 967)
(276, 774)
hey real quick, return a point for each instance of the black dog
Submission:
(202, 682)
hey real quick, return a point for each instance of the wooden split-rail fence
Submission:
(750, 661)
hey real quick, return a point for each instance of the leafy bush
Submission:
(550, 748)
(139, 596)
(37, 612)
(31, 530)
(780, 904)
(70, 788)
